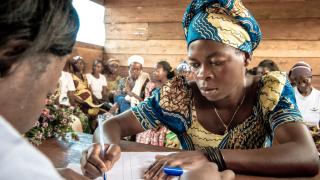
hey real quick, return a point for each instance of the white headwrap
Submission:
(135, 58)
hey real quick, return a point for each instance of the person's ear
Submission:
(247, 59)
(10, 52)
(14, 48)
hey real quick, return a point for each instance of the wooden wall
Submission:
(152, 28)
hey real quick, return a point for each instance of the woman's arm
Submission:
(105, 93)
(122, 125)
(134, 95)
(94, 98)
(74, 99)
(294, 154)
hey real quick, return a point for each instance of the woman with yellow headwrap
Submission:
(249, 124)
(111, 71)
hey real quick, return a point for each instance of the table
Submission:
(61, 153)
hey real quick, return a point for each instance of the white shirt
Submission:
(20, 160)
(96, 84)
(309, 106)
(66, 84)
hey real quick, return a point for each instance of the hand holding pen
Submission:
(94, 163)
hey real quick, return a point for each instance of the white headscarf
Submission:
(135, 58)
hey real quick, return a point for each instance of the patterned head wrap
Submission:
(225, 21)
(113, 61)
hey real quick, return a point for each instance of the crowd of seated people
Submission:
(104, 91)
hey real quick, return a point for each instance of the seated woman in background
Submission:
(97, 82)
(83, 95)
(183, 69)
(66, 85)
(160, 136)
(308, 98)
(136, 81)
(111, 72)
(248, 124)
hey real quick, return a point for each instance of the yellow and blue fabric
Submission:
(225, 21)
(173, 106)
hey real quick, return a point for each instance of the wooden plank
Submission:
(277, 29)
(144, 3)
(166, 31)
(149, 59)
(267, 48)
(88, 45)
(146, 47)
(263, 10)
(137, 31)
(282, 48)
(143, 14)
(316, 82)
(291, 29)
(285, 10)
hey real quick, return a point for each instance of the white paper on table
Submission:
(130, 166)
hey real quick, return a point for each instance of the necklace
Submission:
(226, 126)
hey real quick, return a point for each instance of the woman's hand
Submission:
(208, 171)
(187, 160)
(93, 164)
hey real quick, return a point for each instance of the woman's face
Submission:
(97, 68)
(79, 66)
(135, 70)
(218, 69)
(159, 73)
(113, 67)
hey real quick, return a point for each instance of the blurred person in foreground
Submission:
(36, 37)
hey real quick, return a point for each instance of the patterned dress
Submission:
(174, 107)
(84, 93)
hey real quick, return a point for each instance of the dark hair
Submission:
(269, 64)
(167, 67)
(42, 26)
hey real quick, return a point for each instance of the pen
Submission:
(173, 171)
(100, 119)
